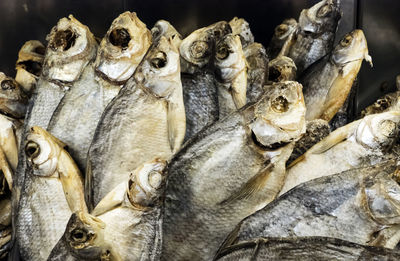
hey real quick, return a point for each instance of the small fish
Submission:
(315, 34)
(53, 191)
(305, 248)
(316, 131)
(123, 47)
(241, 28)
(388, 102)
(87, 98)
(13, 100)
(144, 121)
(198, 81)
(281, 69)
(282, 38)
(366, 141)
(83, 239)
(164, 28)
(257, 70)
(228, 171)
(231, 74)
(357, 205)
(328, 82)
(29, 65)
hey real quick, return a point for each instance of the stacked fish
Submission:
(147, 146)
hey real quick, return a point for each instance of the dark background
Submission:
(22, 20)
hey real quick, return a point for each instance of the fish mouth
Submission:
(269, 147)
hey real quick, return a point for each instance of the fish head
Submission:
(229, 58)
(197, 49)
(378, 131)
(159, 71)
(13, 100)
(279, 116)
(241, 28)
(285, 29)
(122, 48)
(322, 17)
(70, 47)
(352, 47)
(382, 197)
(85, 238)
(42, 151)
(146, 184)
(282, 68)
(164, 28)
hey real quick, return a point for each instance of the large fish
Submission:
(144, 121)
(366, 141)
(231, 74)
(198, 81)
(76, 117)
(71, 46)
(328, 82)
(29, 65)
(305, 249)
(13, 100)
(257, 70)
(53, 191)
(130, 215)
(229, 170)
(282, 38)
(315, 34)
(358, 205)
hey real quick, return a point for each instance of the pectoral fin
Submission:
(113, 199)
(176, 126)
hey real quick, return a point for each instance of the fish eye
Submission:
(155, 179)
(346, 41)
(280, 104)
(119, 37)
(223, 52)
(63, 40)
(8, 85)
(324, 11)
(32, 149)
(79, 235)
(40, 50)
(281, 29)
(199, 49)
(159, 61)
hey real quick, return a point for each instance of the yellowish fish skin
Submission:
(228, 171)
(145, 120)
(52, 192)
(328, 82)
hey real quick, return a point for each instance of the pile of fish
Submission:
(148, 146)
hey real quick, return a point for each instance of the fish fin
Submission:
(229, 240)
(239, 88)
(299, 159)
(176, 126)
(6, 169)
(252, 186)
(88, 183)
(113, 199)
(72, 182)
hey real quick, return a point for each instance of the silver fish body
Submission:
(228, 171)
(53, 190)
(357, 205)
(328, 82)
(257, 72)
(145, 120)
(198, 81)
(305, 248)
(363, 142)
(315, 34)
(76, 117)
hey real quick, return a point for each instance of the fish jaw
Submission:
(123, 47)
(71, 47)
